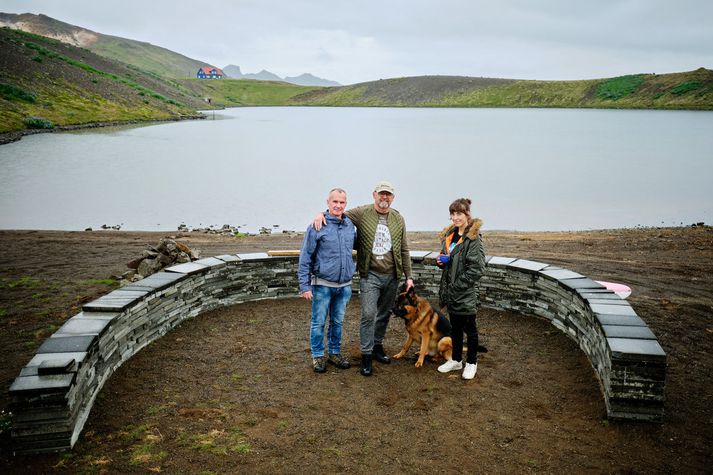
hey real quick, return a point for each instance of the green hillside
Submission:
(45, 83)
(146, 56)
(142, 55)
(688, 90)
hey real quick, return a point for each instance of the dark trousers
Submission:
(461, 324)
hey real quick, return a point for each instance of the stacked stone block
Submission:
(54, 393)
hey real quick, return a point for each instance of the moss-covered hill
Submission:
(142, 55)
(43, 82)
(688, 90)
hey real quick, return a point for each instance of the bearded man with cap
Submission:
(382, 257)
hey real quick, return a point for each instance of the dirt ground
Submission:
(232, 391)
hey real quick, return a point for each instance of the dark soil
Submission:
(233, 390)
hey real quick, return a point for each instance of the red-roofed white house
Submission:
(209, 72)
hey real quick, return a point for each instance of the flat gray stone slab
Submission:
(110, 303)
(589, 294)
(626, 320)
(189, 268)
(228, 257)
(124, 293)
(501, 261)
(419, 254)
(137, 286)
(582, 283)
(40, 384)
(633, 349)
(99, 315)
(624, 309)
(66, 344)
(160, 280)
(608, 301)
(40, 357)
(561, 274)
(624, 331)
(210, 262)
(56, 366)
(253, 256)
(29, 371)
(524, 264)
(79, 325)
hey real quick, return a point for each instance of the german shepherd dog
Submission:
(424, 324)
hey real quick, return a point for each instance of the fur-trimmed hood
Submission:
(472, 229)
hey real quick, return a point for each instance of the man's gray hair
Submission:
(339, 190)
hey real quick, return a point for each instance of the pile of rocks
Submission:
(166, 253)
(226, 230)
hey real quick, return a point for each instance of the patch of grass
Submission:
(37, 123)
(25, 281)
(622, 86)
(3, 312)
(146, 453)
(31, 345)
(133, 433)
(220, 442)
(241, 92)
(686, 87)
(10, 92)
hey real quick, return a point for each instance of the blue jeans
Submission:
(332, 301)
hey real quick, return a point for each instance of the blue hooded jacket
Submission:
(327, 253)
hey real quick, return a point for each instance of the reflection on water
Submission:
(529, 169)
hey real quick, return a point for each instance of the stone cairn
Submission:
(166, 253)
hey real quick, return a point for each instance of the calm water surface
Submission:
(527, 169)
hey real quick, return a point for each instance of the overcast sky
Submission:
(361, 40)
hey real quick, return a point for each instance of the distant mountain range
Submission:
(306, 79)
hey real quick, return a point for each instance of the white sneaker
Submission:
(469, 371)
(450, 365)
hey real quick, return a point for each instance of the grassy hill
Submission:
(244, 92)
(145, 56)
(688, 90)
(44, 82)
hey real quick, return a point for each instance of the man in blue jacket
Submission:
(325, 275)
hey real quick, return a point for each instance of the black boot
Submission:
(380, 356)
(365, 365)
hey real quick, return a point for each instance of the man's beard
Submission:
(383, 205)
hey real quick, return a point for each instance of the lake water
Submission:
(526, 169)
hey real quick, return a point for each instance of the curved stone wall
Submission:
(54, 393)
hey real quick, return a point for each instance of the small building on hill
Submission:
(209, 72)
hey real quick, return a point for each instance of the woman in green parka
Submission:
(462, 260)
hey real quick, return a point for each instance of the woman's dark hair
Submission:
(461, 205)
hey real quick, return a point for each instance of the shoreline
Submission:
(15, 135)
